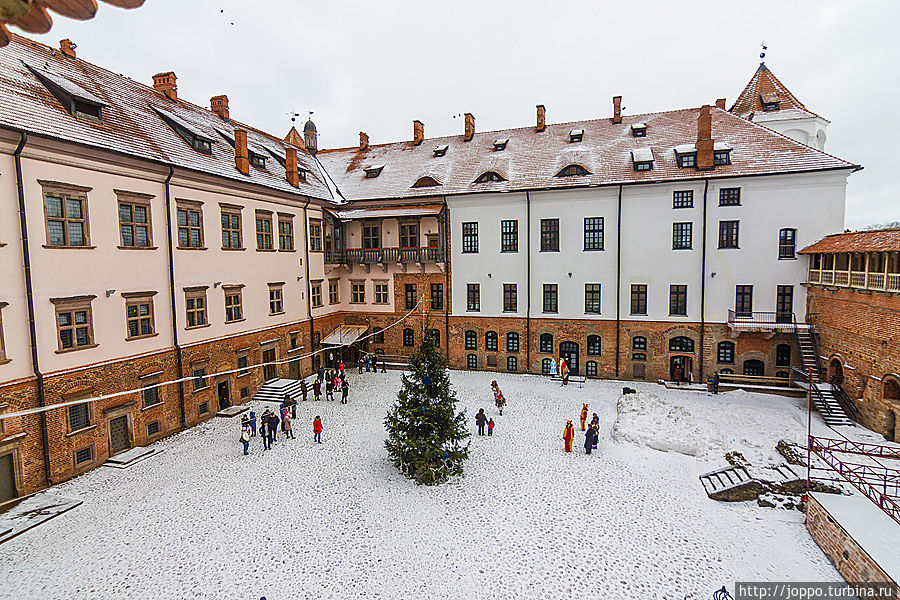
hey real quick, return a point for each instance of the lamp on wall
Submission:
(110, 293)
(217, 284)
(570, 274)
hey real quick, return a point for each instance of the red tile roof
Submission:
(882, 240)
(765, 86)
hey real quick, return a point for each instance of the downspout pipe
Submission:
(703, 281)
(179, 359)
(29, 294)
(312, 329)
(528, 282)
(445, 253)
(618, 280)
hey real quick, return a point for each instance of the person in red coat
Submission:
(569, 435)
(584, 412)
(317, 429)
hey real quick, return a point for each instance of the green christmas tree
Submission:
(425, 433)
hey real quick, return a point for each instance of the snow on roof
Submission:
(881, 240)
(691, 148)
(388, 212)
(642, 155)
(639, 125)
(762, 85)
(66, 85)
(784, 114)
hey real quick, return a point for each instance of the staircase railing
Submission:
(813, 335)
(843, 399)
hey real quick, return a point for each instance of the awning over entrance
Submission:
(344, 335)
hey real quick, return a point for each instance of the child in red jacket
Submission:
(491, 427)
(317, 429)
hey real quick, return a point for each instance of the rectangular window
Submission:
(333, 291)
(784, 304)
(74, 323)
(683, 199)
(203, 408)
(409, 292)
(315, 294)
(66, 213)
(512, 363)
(243, 362)
(678, 300)
(728, 234)
(592, 298)
(2, 350)
(638, 299)
(470, 238)
(134, 222)
(234, 310)
(152, 428)
(264, 230)
(195, 307)
(409, 235)
(357, 292)
(84, 455)
(687, 160)
(79, 416)
(509, 236)
(730, 197)
(198, 372)
(743, 300)
(381, 292)
(150, 393)
(551, 298)
(787, 244)
(139, 315)
(276, 298)
(549, 235)
(190, 226)
(231, 229)
(315, 235)
(682, 234)
(471, 361)
(437, 296)
(593, 233)
(473, 296)
(509, 297)
(371, 237)
(285, 232)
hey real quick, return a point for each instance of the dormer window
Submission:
(572, 171)
(770, 101)
(86, 110)
(639, 130)
(576, 135)
(489, 176)
(257, 160)
(426, 181)
(77, 101)
(722, 157)
(500, 144)
(194, 138)
(302, 174)
(642, 158)
(440, 150)
(373, 171)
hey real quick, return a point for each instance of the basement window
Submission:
(639, 130)
(576, 135)
(500, 144)
(373, 171)
(573, 171)
(489, 176)
(642, 158)
(441, 150)
(426, 181)
(194, 138)
(77, 101)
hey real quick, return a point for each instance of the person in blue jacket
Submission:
(253, 423)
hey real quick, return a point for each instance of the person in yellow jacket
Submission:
(569, 435)
(584, 412)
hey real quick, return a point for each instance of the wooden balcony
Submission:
(360, 256)
(860, 280)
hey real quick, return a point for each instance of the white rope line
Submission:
(39, 409)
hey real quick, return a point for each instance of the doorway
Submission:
(224, 394)
(680, 368)
(784, 304)
(294, 369)
(118, 435)
(836, 370)
(569, 351)
(7, 478)
(270, 371)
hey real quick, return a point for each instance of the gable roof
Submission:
(880, 240)
(532, 159)
(137, 120)
(765, 87)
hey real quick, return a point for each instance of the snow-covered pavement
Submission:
(336, 520)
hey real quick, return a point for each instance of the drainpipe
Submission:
(703, 281)
(312, 329)
(179, 359)
(445, 240)
(528, 282)
(29, 293)
(618, 278)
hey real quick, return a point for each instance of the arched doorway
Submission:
(891, 396)
(836, 370)
(680, 368)
(569, 351)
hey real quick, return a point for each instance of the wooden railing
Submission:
(360, 256)
(735, 379)
(883, 282)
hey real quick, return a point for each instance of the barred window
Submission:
(593, 345)
(509, 236)
(639, 299)
(150, 393)
(728, 234)
(593, 233)
(470, 238)
(491, 341)
(512, 342)
(546, 345)
(84, 455)
(551, 298)
(471, 340)
(243, 360)
(683, 199)
(592, 298)
(79, 416)
(549, 235)
(473, 297)
(681, 236)
(199, 374)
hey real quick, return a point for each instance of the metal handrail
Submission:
(842, 398)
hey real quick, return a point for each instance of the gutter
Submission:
(29, 294)
(447, 295)
(312, 329)
(528, 282)
(703, 281)
(179, 359)
(618, 279)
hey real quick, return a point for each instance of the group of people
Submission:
(482, 420)
(335, 380)
(591, 432)
(560, 369)
(269, 423)
(370, 361)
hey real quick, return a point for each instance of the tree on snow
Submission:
(425, 433)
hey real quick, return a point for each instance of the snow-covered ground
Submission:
(527, 520)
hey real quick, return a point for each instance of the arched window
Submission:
(639, 343)
(426, 181)
(783, 355)
(590, 368)
(490, 341)
(891, 389)
(681, 344)
(472, 361)
(512, 363)
(435, 336)
(593, 345)
(377, 335)
(572, 171)
(547, 343)
(512, 342)
(488, 176)
(409, 339)
(545, 366)
(725, 354)
(471, 340)
(754, 367)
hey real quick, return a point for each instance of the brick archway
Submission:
(836, 369)
(891, 390)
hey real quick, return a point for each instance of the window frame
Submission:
(469, 237)
(227, 212)
(743, 300)
(730, 196)
(509, 235)
(65, 193)
(133, 201)
(409, 338)
(683, 235)
(593, 235)
(151, 384)
(491, 341)
(594, 342)
(88, 415)
(513, 341)
(725, 353)
(315, 235)
(512, 364)
(510, 297)
(410, 295)
(639, 343)
(138, 299)
(196, 293)
(371, 236)
(232, 292)
(276, 298)
(334, 292)
(265, 235)
(315, 294)
(639, 298)
(678, 298)
(471, 361)
(286, 232)
(470, 340)
(787, 250)
(592, 298)
(437, 296)
(729, 235)
(550, 295)
(357, 291)
(381, 288)
(545, 343)
(189, 207)
(682, 199)
(409, 234)
(71, 306)
(678, 344)
(473, 297)
(3, 358)
(783, 359)
(550, 235)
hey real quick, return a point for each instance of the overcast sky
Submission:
(374, 66)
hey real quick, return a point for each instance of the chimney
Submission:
(219, 105)
(541, 118)
(704, 140)
(418, 132)
(470, 127)
(720, 103)
(290, 166)
(241, 159)
(363, 141)
(67, 47)
(167, 84)
(617, 109)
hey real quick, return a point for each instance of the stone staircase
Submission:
(823, 393)
(275, 389)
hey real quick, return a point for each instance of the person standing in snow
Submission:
(317, 389)
(568, 436)
(264, 430)
(584, 411)
(590, 439)
(287, 425)
(595, 436)
(553, 370)
(491, 427)
(481, 421)
(367, 362)
(345, 390)
(273, 428)
(252, 423)
(329, 389)
(317, 429)
(303, 391)
(341, 366)
(245, 438)
(320, 374)
(499, 400)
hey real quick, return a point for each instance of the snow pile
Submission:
(708, 426)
